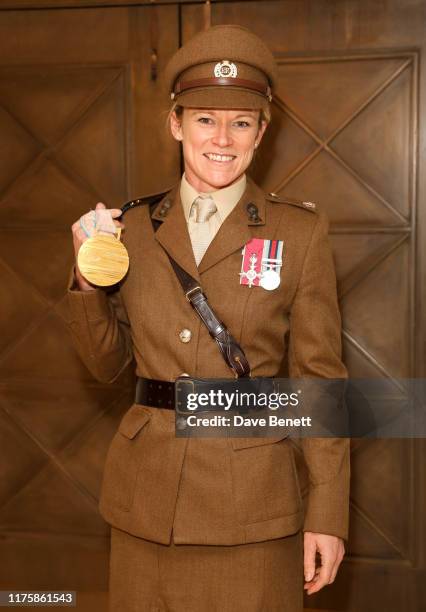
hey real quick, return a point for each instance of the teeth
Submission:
(221, 158)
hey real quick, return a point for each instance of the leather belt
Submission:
(155, 393)
(163, 394)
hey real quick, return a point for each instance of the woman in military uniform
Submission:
(216, 524)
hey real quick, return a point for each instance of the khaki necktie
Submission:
(202, 209)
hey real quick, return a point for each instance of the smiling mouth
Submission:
(219, 158)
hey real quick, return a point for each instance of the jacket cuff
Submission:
(328, 507)
(85, 305)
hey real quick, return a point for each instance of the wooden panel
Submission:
(326, 93)
(377, 144)
(376, 314)
(79, 112)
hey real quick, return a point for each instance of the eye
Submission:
(242, 124)
(205, 120)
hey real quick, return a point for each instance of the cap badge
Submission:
(225, 69)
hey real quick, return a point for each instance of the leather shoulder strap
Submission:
(149, 200)
(231, 351)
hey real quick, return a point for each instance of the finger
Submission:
(309, 550)
(115, 212)
(104, 221)
(78, 233)
(316, 585)
(88, 223)
(307, 585)
(82, 222)
(334, 571)
(80, 236)
(119, 224)
(337, 563)
(323, 577)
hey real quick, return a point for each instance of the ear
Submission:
(176, 127)
(261, 131)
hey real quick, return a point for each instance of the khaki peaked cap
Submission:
(226, 66)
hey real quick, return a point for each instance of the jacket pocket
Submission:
(133, 421)
(264, 480)
(124, 459)
(238, 443)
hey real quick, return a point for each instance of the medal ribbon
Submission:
(251, 267)
(272, 255)
(260, 255)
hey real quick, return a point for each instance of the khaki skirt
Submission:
(256, 577)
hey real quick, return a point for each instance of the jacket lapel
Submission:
(235, 231)
(233, 234)
(173, 232)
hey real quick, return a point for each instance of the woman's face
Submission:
(218, 145)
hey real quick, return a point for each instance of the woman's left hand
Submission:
(331, 550)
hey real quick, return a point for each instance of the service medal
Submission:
(251, 268)
(270, 280)
(261, 265)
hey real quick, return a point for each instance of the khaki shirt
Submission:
(225, 200)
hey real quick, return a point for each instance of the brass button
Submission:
(185, 335)
(180, 423)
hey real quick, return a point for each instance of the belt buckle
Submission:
(191, 291)
(183, 386)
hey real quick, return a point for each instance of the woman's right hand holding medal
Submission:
(99, 220)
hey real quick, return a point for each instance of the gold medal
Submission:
(103, 260)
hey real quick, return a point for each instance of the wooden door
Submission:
(345, 133)
(82, 119)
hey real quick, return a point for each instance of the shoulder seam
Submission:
(310, 206)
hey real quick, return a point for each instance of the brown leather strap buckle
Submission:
(191, 291)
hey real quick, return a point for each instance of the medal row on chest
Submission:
(261, 263)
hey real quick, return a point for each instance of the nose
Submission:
(222, 136)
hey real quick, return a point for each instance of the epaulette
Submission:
(273, 197)
(148, 199)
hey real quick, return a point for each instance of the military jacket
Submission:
(217, 490)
